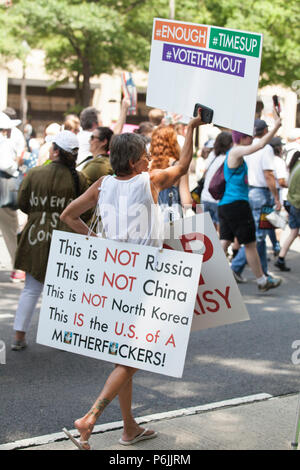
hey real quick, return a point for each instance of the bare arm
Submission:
(271, 183)
(122, 118)
(165, 178)
(88, 200)
(236, 154)
(184, 191)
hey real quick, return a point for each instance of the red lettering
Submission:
(131, 329)
(171, 340)
(121, 282)
(217, 305)
(200, 305)
(225, 296)
(116, 327)
(78, 320)
(187, 238)
(95, 299)
(124, 261)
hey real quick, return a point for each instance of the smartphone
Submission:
(276, 104)
(206, 113)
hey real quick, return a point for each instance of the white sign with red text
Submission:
(122, 303)
(218, 301)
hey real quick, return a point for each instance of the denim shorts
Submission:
(212, 208)
(294, 217)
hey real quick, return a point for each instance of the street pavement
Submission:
(260, 422)
(254, 422)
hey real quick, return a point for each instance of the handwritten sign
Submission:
(218, 301)
(215, 67)
(119, 302)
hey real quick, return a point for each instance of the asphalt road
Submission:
(43, 389)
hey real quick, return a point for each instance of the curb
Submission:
(101, 428)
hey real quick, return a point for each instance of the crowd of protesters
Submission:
(270, 163)
(74, 158)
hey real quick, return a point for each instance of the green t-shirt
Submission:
(97, 167)
(294, 187)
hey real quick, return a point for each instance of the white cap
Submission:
(209, 144)
(7, 123)
(66, 140)
(52, 129)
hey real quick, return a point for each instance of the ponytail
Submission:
(68, 159)
(294, 160)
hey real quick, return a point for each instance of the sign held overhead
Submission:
(217, 67)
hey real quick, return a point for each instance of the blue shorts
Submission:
(294, 217)
(212, 208)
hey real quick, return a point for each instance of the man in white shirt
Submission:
(8, 168)
(262, 192)
(16, 134)
(89, 120)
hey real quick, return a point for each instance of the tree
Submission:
(83, 38)
(277, 20)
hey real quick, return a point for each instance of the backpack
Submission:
(217, 184)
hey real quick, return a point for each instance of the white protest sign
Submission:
(213, 66)
(119, 302)
(219, 301)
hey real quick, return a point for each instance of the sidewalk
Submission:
(257, 422)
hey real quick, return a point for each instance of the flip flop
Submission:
(139, 437)
(77, 442)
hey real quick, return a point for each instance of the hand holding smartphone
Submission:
(206, 113)
(276, 104)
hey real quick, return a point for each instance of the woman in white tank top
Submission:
(129, 213)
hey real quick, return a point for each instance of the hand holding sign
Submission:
(217, 67)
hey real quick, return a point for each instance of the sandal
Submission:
(77, 442)
(140, 437)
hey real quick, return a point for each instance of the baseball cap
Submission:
(209, 143)
(66, 140)
(276, 142)
(7, 123)
(259, 125)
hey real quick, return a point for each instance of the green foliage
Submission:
(83, 38)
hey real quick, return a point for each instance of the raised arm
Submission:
(237, 153)
(122, 118)
(162, 179)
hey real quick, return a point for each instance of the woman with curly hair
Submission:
(165, 152)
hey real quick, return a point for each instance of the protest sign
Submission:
(218, 301)
(216, 67)
(122, 303)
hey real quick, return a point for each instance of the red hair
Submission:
(163, 146)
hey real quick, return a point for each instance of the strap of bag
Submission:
(96, 218)
(90, 157)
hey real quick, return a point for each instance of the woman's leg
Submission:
(288, 242)
(264, 282)
(225, 244)
(27, 303)
(253, 259)
(118, 378)
(131, 428)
